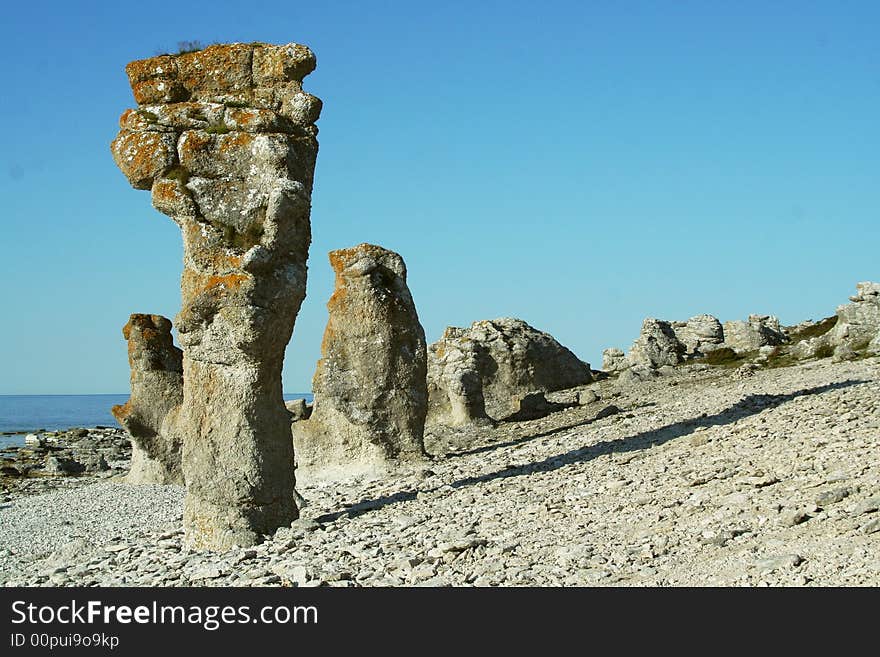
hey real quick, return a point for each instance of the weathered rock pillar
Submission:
(370, 385)
(156, 393)
(225, 139)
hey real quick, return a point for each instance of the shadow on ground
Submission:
(746, 407)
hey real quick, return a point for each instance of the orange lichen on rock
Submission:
(143, 155)
(121, 411)
(199, 283)
(158, 90)
(162, 66)
(217, 70)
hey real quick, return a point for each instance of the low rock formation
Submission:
(756, 332)
(483, 372)
(156, 392)
(369, 386)
(225, 139)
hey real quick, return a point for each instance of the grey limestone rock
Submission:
(225, 139)
(370, 384)
(481, 373)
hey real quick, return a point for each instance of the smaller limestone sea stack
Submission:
(482, 373)
(369, 386)
(156, 392)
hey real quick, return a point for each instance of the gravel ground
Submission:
(704, 477)
(66, 524)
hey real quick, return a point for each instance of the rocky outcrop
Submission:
(225, 140)
(369, 386)
(156, 393)
(756, 332)
(483, 372)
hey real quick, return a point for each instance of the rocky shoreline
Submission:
(68, 458)
(699, 476)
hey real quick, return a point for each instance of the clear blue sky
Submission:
(580, 165)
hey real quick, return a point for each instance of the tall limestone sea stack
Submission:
(370, 384)
(225, 139)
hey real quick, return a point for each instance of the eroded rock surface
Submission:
(156, 393)
(369, 386)
(225, 139)
(483, 372)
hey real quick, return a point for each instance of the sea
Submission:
(24, 414)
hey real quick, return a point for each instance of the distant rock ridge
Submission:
(853, 332)
(225, 139)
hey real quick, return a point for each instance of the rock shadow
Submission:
(750, 405)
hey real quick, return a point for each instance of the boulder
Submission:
(370, 384)
(481, 373)
(225, 139)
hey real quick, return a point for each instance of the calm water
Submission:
(26, 413)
